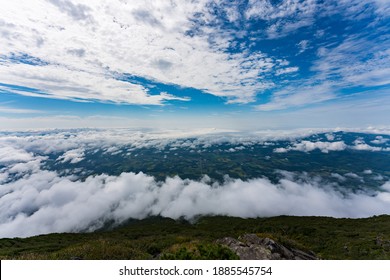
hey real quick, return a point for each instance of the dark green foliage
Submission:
(200, 252)
(157, 237)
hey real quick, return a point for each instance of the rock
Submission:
(246, 251)
(379, 241)
(252, 247)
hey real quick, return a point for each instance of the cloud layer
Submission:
(37, 201)
(73, 144)
(44, 202)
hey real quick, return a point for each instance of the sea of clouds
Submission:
(36, 201)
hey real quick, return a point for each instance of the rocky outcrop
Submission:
(252, 247)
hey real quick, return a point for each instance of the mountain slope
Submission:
(162, 238)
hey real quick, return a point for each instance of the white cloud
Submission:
(361, 146)
(380, 140)
(265, 10)
(82, 50)
(383, 7)
(26, 167)
(10, 110)
(284, 28)
(73, 156)
(298, 96)
(284, 18)
(303, 46)
(3, 177)
(76, 11)
(352, 9)
(44, 202)
(81, 46)
(35, 201)
(330, 136)
(338, 177)
(11, 155)
(325, 147)
(23, 147)
(286, 70)
(371, 77)
(352, 175)
(281, 150)
(58, 81)
(356, 61)
(308, 146)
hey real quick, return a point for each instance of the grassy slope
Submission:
(158, 237)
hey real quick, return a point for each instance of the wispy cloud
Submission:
(58, 81)
(10, 110)
(298, 96)
(358, 59)
(286, 70)
(303, 46)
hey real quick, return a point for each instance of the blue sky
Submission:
(251, 64)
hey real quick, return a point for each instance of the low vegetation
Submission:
(162, 238)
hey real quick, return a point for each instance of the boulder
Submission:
(252, 247)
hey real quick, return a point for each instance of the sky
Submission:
(253, 64)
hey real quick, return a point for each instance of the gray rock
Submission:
(252, 247)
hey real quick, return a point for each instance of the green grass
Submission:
(162, 238)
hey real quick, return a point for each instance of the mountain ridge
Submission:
(164, 238)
